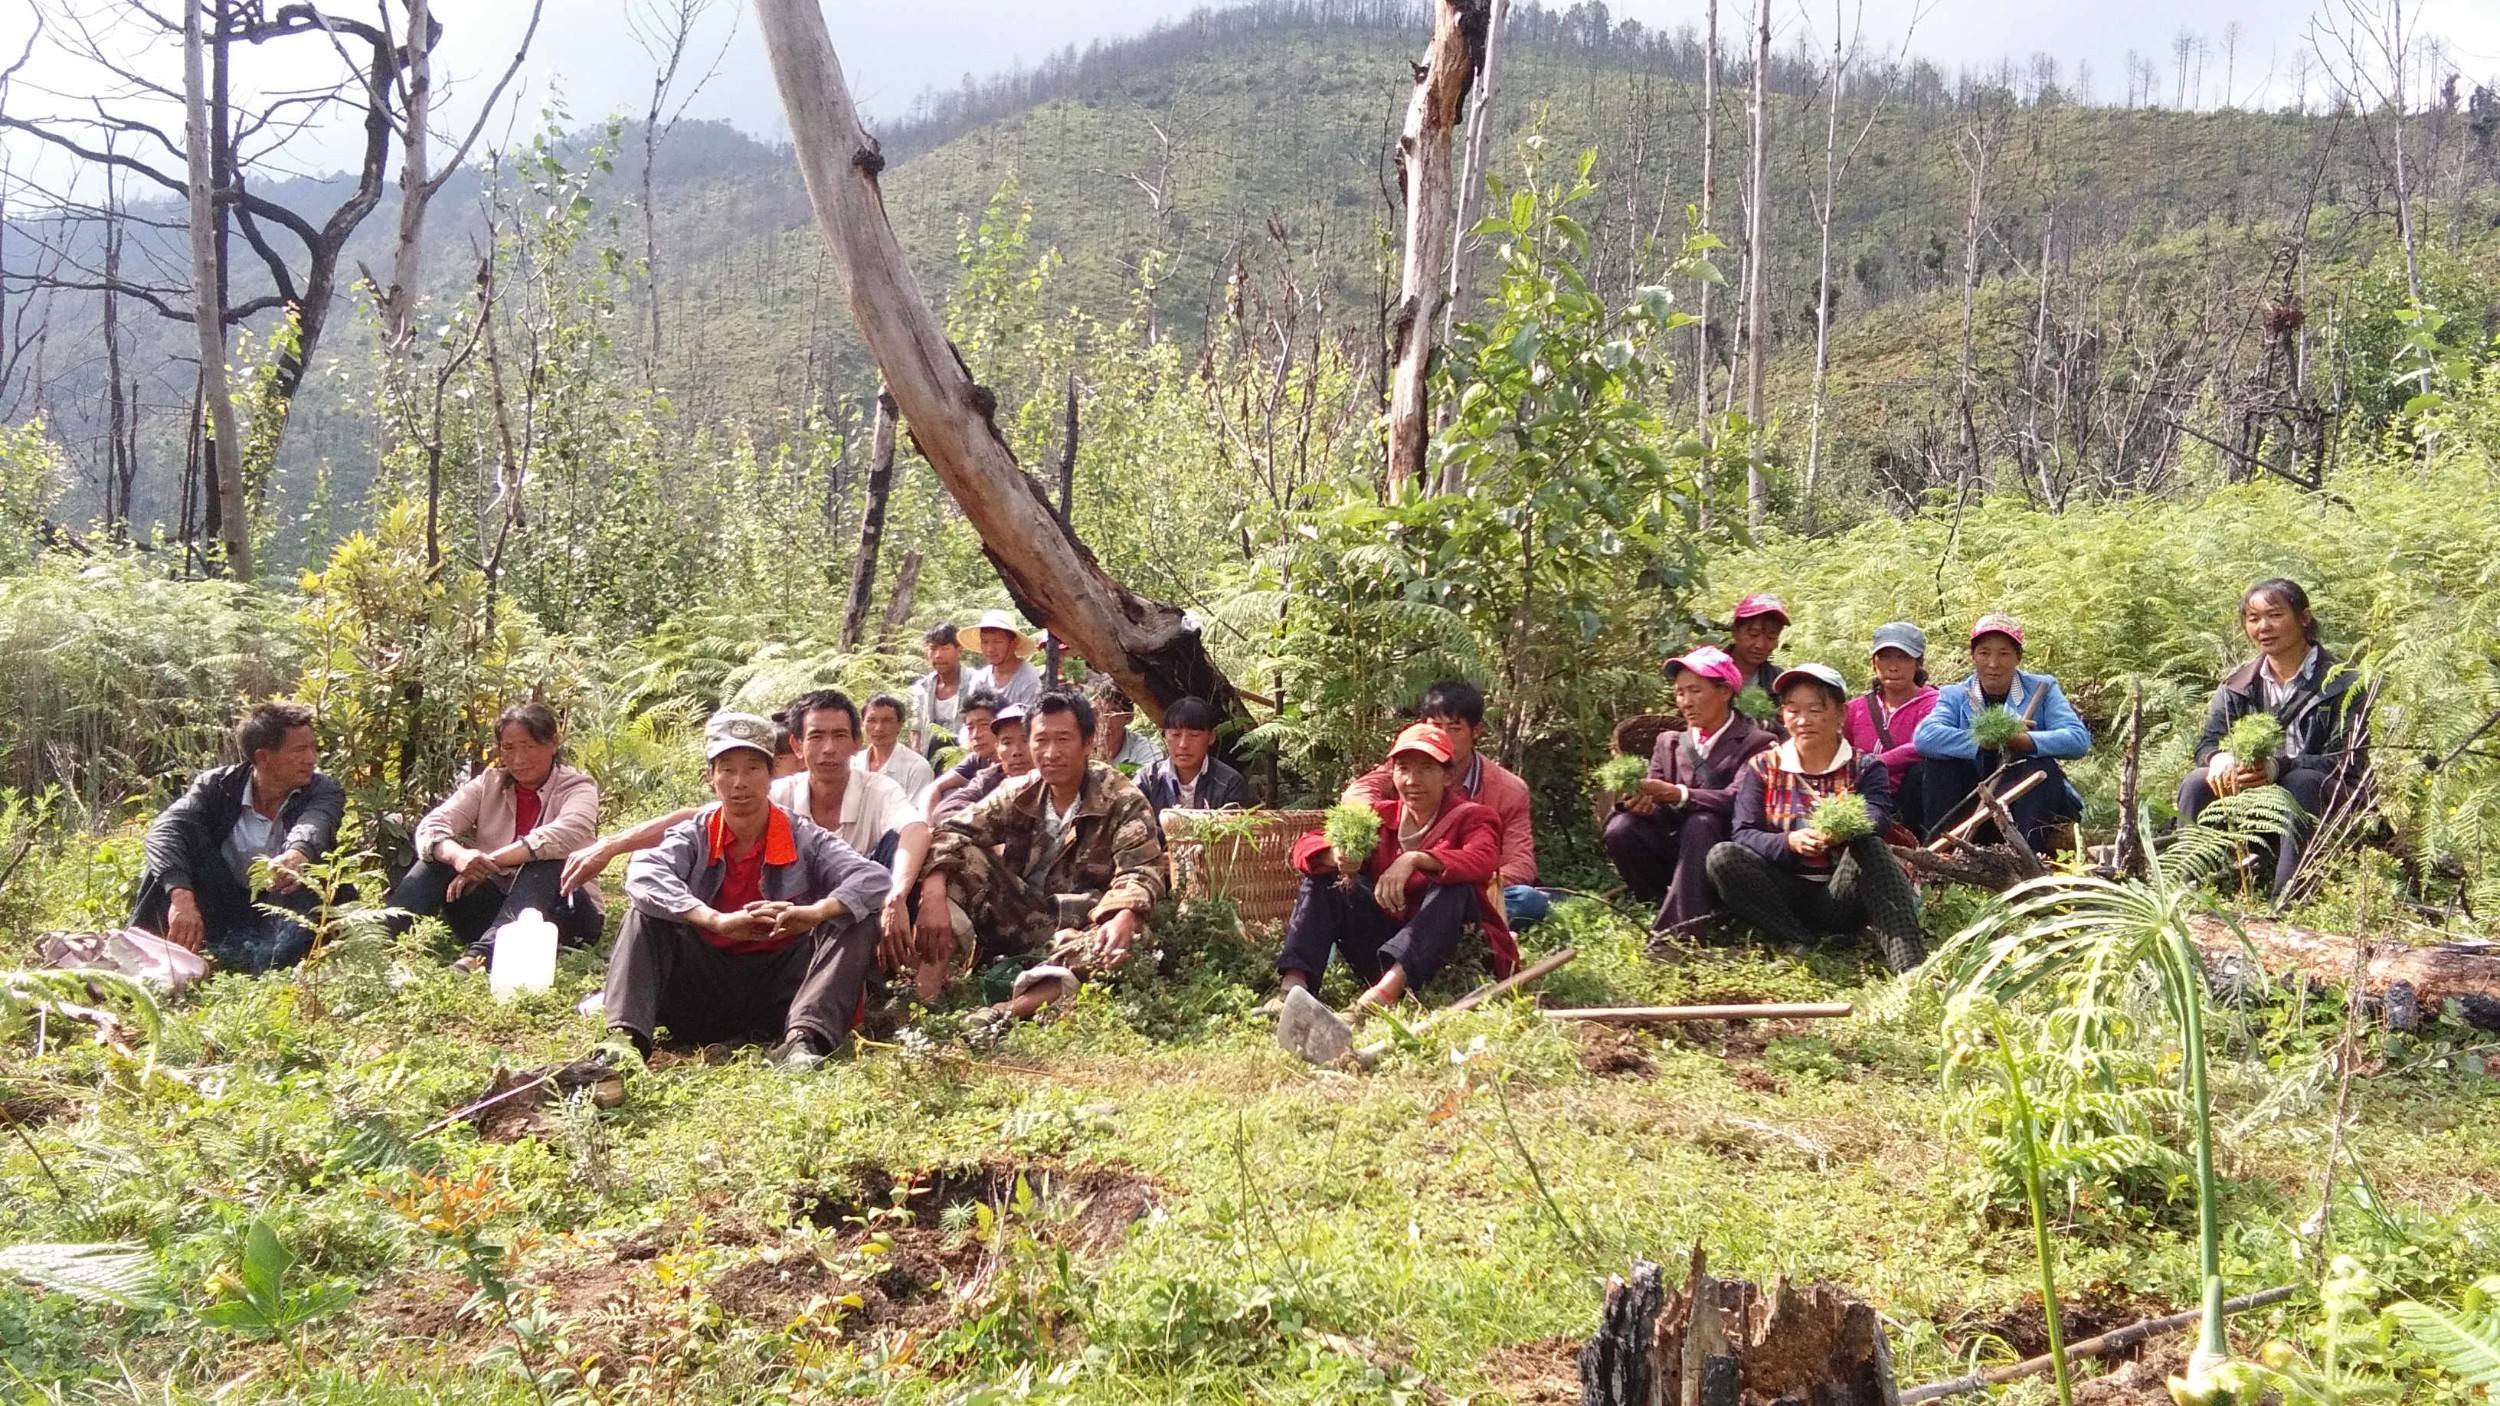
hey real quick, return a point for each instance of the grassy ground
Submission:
(1143, 1201)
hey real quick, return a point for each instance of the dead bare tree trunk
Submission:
(1757, 270)
(871, 524)
(120, 466)
(1149, 648)
(898, 605)
(1441, 83)
(208, 309)
(1709, 196)
(1471, 177)
(419, 178)
(1974, 149)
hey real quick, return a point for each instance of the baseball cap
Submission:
(1427, 738)
(1711, 662)
(2005, 625)
(1759, 603)
(1001, 620)
(1820, 673)
(727, 732)
(1903, 636)
(1012, 713)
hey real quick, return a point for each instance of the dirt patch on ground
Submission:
(2143, 1382)
(1542, 1373)
(1614, 1052)
(2024, 1329)
(1087, 1208)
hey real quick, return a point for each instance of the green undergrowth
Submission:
(1144, 1199)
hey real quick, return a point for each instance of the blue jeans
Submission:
(1525, 905)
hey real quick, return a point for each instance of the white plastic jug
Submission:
(525, 956)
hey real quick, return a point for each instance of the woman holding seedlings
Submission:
(1662, 832)
(1808, 856)
(2002, 725)
(2282, 719)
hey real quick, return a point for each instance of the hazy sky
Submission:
(892, 50)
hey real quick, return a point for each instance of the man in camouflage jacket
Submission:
(1064, 864)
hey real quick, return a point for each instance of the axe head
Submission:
(1308, 1028)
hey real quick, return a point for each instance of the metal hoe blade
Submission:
(1308, 1028)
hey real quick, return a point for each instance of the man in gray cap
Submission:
(746, 922)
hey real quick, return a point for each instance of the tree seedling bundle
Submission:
(1352, 829)
(1994, 727)
(1622, 775)
(1841, 818)
(1756, 702)
(2255, 738)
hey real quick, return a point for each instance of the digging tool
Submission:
(1668, 1015)
(1310, 1029)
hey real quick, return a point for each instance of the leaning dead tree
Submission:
(1424, 172)
(1148, 647)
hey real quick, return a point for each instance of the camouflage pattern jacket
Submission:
(1113, 849)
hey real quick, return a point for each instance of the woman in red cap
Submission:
(1434, 871)
(2051, 733)
(1754, 628)
(1789, 881)
(1660, 838)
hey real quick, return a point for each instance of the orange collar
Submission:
(780, 846)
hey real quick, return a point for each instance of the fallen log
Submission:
(2396, 973)
(1991, 867)
(2116, 1340)
(1666, 1015)
(1715, 1342)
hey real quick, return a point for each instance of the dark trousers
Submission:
(474, 916)
(1353, 924)
(663, 975)
(1950, 786)
(240, 934)
(2306, 787)
(1909, 799)
(1866, 889)
(1664, 858)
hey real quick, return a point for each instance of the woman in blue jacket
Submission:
(1954, 762)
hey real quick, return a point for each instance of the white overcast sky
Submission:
(892, 50)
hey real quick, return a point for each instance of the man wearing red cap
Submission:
(2051, 733)
(1457, 708)
(1660, 837)
(1398, 920)
(1753, 636)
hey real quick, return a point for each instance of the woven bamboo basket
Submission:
(1241, 855)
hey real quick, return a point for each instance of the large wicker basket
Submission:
(1241, 855)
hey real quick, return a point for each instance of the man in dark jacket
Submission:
(275, 806)
(1661, 836)
(1189, 775)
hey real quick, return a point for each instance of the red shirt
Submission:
(526, 808)
(742, 876)
(1466, 838)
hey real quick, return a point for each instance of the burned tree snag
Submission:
(1148, 647)
(1424, 171)
(1719, 1342)
(871, 524)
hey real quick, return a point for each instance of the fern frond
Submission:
(2467, 1348)
(114, 1272)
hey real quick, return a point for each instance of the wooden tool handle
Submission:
(1661, 1015)
(1960, 834)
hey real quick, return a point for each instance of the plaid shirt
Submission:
(1775, 797)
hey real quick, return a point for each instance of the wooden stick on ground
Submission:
(1666, 1015)
(2117, 1340)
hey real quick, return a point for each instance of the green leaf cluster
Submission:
(1352, 829)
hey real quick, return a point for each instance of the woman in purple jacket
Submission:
(1661, 836)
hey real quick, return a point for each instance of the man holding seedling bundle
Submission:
(2001, 724)
(1457, 708)
(1394, 896)
(746, 920)
(1661, 835)
(1808, 854)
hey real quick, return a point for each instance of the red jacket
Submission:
(1487, 783)
(1467, 838)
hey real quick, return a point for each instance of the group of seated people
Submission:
(1719, 826)
(833, 849)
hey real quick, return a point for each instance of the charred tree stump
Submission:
(1724, 1342)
